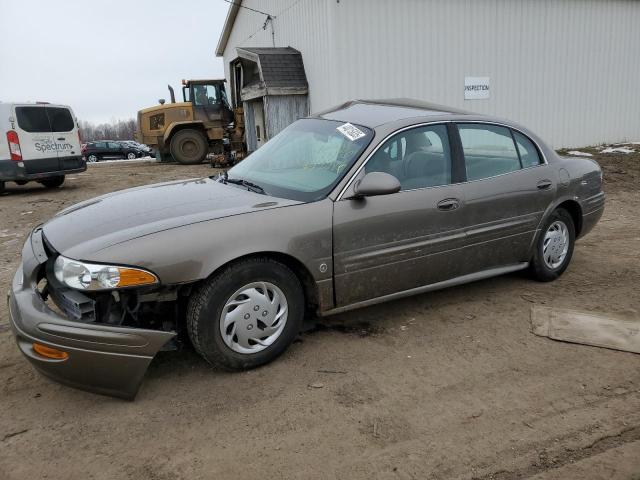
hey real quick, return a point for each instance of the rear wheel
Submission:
(92, 158)
(2, 187)
(53, 182)
(189, 147)
(21, 182)
(246, 315)
(555, 246)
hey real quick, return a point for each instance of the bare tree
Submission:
(115, 129)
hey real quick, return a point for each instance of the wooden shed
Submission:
(272, 87)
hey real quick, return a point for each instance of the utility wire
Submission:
(293, 4)
(248, 8)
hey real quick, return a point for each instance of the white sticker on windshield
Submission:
(351, 132)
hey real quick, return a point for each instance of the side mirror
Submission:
(161, 101)
(376, 183)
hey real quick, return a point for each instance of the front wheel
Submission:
(246, 315)
(131, 156)
(189, 146)
(92, 158)
(53, 182)
(554, 247)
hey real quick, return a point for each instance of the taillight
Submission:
(79, 137)
(14, 146)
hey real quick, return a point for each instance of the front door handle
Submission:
(544, 185)
(448, 204)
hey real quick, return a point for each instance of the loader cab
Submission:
(209, 100)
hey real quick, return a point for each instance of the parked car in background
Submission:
(109, 150)
(360, 204)
(145, 149)
(41, 142)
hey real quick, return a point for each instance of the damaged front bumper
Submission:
(100, 358)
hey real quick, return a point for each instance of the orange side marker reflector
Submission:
(50, 352)
(131, 276)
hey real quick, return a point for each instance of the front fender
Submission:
(177, 125)
(193, 252)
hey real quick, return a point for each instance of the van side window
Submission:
(60, 119)
(418, 158)
(488, 150)
(33, 119)
(528, 151)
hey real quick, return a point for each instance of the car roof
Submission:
(373, 113)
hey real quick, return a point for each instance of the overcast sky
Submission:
(107, 59)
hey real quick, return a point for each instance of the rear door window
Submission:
(60, 119)
(33, 119)
(528, 151)
(489, 150)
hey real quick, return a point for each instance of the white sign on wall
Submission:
(476, 88)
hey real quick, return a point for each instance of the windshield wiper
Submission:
(246, 183)
(224, 178)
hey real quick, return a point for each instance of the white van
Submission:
(38, 142)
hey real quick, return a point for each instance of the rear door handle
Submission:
(61, 138)
(448, 204)
(544, 184)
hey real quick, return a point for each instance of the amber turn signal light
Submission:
(132, 276)
(50, 352)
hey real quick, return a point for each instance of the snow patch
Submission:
(618, 150)
(578, 153)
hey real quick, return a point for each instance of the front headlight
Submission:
(91, 276)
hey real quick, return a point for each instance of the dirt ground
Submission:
(449, 384)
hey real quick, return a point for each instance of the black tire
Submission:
(2, 184)
(21, 182)
(53, 182)
(540, 270)
(205, 307)
(131, 156)
(93, 158)
(189, 147)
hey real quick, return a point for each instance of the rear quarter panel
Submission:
(579, 180)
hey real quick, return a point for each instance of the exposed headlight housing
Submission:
(91, 276)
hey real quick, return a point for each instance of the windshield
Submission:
(305, 161)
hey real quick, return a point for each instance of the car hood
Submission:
(90, 226)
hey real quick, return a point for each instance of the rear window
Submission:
(33, 119)
(60, 119)
(40, 119)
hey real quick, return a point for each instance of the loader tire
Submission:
(189, 147)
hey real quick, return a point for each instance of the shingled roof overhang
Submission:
(281, 72)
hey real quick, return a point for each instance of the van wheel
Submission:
(247, 314)
(21, 182)
(554, 247)
(189, 147)
(53, 182)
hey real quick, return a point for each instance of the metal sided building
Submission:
(568, 69)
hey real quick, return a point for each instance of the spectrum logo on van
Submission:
(48, 145)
